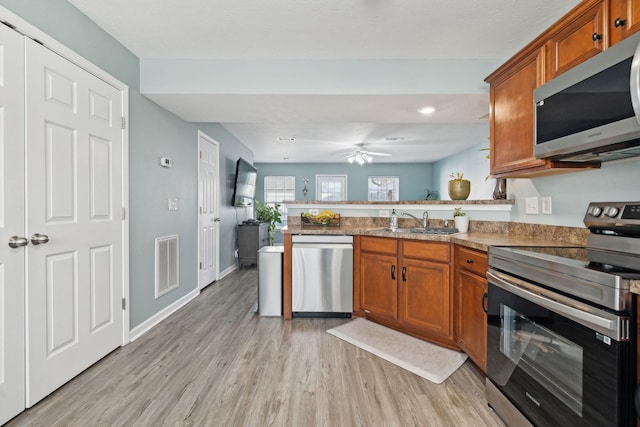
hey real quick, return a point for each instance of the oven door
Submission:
(558, 369)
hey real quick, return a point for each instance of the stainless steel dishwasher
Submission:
(322, 276)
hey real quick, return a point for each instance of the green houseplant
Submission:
(266, 212)
(459, 188)
(461, 220)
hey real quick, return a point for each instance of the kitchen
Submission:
(153, 132)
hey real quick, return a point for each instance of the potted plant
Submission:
(461, 220)
(268, 213)
(459, 188)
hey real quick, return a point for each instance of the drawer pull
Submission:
(404, 274)
(393, 272)
(469, 261)
(596, 37)
(619, 22)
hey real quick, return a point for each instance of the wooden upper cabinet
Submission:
(511, 125)
(624, 19)
(585, 34)
(580, 34)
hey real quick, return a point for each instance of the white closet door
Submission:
(209, 202)
(74, 187)
(12, 387)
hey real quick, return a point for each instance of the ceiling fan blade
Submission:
(373, 153)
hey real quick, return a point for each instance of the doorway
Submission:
(208, 210)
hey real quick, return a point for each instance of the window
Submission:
(383, 188)
(278, 189)
(331, 187)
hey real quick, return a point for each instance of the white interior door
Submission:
(12, 386)
(209, 208)
(74, 187)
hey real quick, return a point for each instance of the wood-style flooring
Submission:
(216, 363)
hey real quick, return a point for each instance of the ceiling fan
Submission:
(361, 155)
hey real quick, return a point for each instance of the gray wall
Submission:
(153, 132)
(415, 178)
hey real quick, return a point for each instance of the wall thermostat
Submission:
(165, 162)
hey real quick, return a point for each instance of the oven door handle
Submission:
(616, 327)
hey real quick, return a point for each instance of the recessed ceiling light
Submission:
(287, 139)
(427, 110)
(393, 139)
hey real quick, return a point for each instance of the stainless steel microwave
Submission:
(592, 112)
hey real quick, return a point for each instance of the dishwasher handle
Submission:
(322, 246)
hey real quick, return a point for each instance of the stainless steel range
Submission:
(561, 346)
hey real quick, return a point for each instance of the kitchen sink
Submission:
(430, 230)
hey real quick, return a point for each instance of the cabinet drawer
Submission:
(433, 251)
(381, 245)
(471, 260)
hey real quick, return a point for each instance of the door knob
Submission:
(216, 219)
(16, 242)
(36, 239)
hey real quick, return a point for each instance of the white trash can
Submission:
(270, 280)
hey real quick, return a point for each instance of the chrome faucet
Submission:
(425, 218)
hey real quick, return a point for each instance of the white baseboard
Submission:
(145, 326)
(227, 271)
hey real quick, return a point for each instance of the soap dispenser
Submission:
(393, 220)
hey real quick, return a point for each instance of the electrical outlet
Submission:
(313, 211)
(531, 205)
(546, 206)
(384, 213)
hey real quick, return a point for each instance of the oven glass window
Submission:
(552, 360)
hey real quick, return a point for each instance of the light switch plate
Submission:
(173, 204)
(531, 205)
(384, 213)
(546, 206)
(313, 211)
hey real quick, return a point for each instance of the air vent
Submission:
(166, 264)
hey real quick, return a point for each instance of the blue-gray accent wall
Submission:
(153, 132)
(415, 178)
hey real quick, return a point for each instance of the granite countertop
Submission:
(475, 240)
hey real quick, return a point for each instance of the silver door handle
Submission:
(16, 242)
(36, 239)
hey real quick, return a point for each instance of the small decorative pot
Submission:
(459, 189)
(462, 223)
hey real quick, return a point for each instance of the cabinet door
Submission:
(512, 116)
(425, 296)
(472, 320)
(585, 35)
(378, 284)
(624, 19)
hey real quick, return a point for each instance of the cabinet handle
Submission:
(469, 261)
(595, 37)
(485, 300)
(619, 22)
(404, 274)
(393, 272)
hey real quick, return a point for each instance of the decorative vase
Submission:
(462, 223)
(500, 190)
(459, 189)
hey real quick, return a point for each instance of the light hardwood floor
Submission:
(216, 363)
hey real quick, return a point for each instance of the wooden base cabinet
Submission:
(405, 284)
(471, 302)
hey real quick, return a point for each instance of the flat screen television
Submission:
(244, 189)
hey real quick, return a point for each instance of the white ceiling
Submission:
(325, 125)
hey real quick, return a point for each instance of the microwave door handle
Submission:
(590, 320)
(634, 83)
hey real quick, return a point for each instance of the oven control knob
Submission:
(596, 210)
(611, 211)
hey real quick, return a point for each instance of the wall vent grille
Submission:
(166, 264)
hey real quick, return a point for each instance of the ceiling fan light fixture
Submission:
(427, 110)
